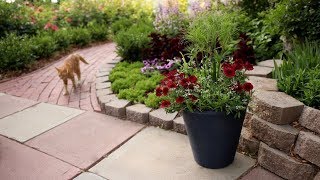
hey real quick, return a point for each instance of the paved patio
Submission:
(45, 141)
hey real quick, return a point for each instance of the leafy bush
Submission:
(296, 18)
(254, 7)
(98, 32)
(266, 43)
(14, 18)
(132, 41)
(43, 45)
(121, 24)
(63, 38)
(131, 84)
(164, 47)
(16, 53)
(299, 76)
(80, 36)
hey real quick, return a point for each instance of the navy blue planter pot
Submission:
(214, 137)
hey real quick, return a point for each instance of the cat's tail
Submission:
(82, 59)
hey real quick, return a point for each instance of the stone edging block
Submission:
(310, 118)
(270, 63)
(138, 113)
(103, 85)
(261, 83)
(117, 108)
(248, 143)
(284, 165)
(275, 107)
(260, 71)
(278, 136)
(179, 126)
(162, 119)
(308, 147)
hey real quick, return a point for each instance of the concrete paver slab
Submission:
(85, 139)
(88, 176)
(21, 162)
(35, 120)
(158, 154)
(10, 104)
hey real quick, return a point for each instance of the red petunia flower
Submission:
(165, 91)
(184, 82)
(247, 86)
(181, 75)
(165, 103)
(179, 100)
(173, 72)
(158, 91)
(238, 64)
(248, 66)
(192, 97)
(171, 84)
(192, 79)
(229, 72)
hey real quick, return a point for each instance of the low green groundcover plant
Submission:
(129, 83)
(299, 75)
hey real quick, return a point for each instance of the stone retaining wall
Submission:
(283, 134)
(279, 130)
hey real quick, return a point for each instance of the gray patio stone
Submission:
(157, 154)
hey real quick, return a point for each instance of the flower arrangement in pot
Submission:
(212, 94)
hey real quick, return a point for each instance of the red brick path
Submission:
(45, 86)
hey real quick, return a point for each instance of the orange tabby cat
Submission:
(67, 70)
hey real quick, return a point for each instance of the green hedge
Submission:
(132, 41)
(18, 52)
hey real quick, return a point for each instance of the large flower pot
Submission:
(214, 137)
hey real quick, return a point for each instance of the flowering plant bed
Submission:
(192, 89)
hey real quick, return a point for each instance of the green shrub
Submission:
(80, 36)
(299, 76)
(254, 7)
(131, 41)
(266, 44)
(98, 32)
(16, 53)
(296, 18)
(121, 24)
(14, 18)
(63, 39)
(43, 45)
